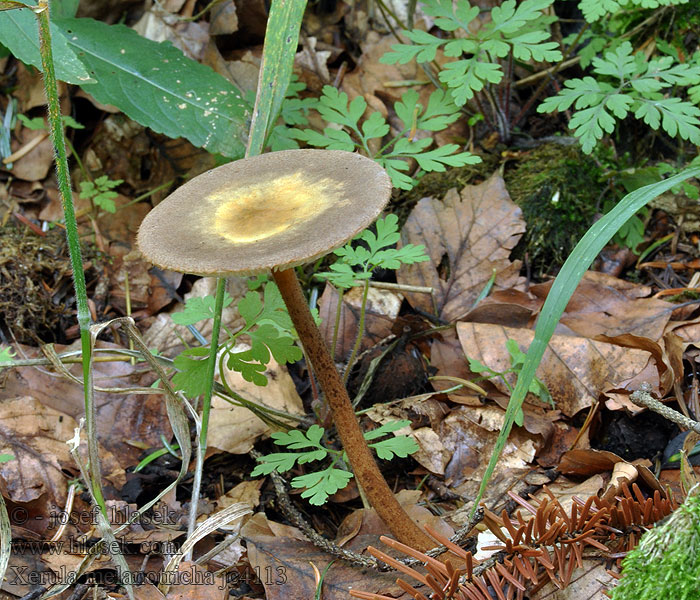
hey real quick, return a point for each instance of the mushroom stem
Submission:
(363, 464)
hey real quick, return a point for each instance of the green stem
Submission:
(360, 333)
(206, 404)
(63, 177)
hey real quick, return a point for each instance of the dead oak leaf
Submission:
(574, 369)
(468, 236)
(35, 435)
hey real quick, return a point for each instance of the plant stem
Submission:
(360, 333)
(63, 178)
(354, 443)
(336, 325)
(206, 404)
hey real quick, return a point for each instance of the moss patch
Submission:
(36, 288)
(558, 189)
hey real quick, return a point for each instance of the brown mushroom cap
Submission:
(276, 210)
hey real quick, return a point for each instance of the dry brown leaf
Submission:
(247, 492)
(235, 429)
(589, 583)
(285, 560)
(431, 452)
(121, 418)
(36, 436)
(447, 356)
(471, 445)
(196, 583)
(382, 309)
(574, 369)
(35, 165)
(168, 337)
(467, 236)
(605, 305)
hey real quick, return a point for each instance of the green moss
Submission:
(558, 189)
(666, 563)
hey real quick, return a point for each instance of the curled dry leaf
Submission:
(574, 369)
(605, 305)
(36, 436)
(468, 235)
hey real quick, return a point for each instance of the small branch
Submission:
(642, 397)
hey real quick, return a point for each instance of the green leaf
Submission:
(374, 127)
(20, 34)
(385, 429)
(677, 117)
(156, 85)
(440, 112)
(394, 168)
(322, 484)
(436, 159)
(296, 439)
(401, 446)
(198, 308)
(281, 39)
(34, 124)
(477, 367)
(6, 354)
(249, 365)
(465, 77)
(424, 49)
(333, 139)
(277, 461)
(266, 339)
(191, 377)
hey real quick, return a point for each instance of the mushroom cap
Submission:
(272, 211)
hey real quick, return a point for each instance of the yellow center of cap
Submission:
(257, 211)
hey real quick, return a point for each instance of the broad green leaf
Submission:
(19, 33)
(158, 86)
(197, 309)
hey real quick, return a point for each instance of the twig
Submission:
(642, 397)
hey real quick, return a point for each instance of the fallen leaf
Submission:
(36, 436)
(284, 562)
(235, 429)
(471, 444)
(468, 236)
(381, 311)
(590, 583)
(574, 369)
(605, 305)
(121, 418)
(193, 582)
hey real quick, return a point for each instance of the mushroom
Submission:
(274, 212)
